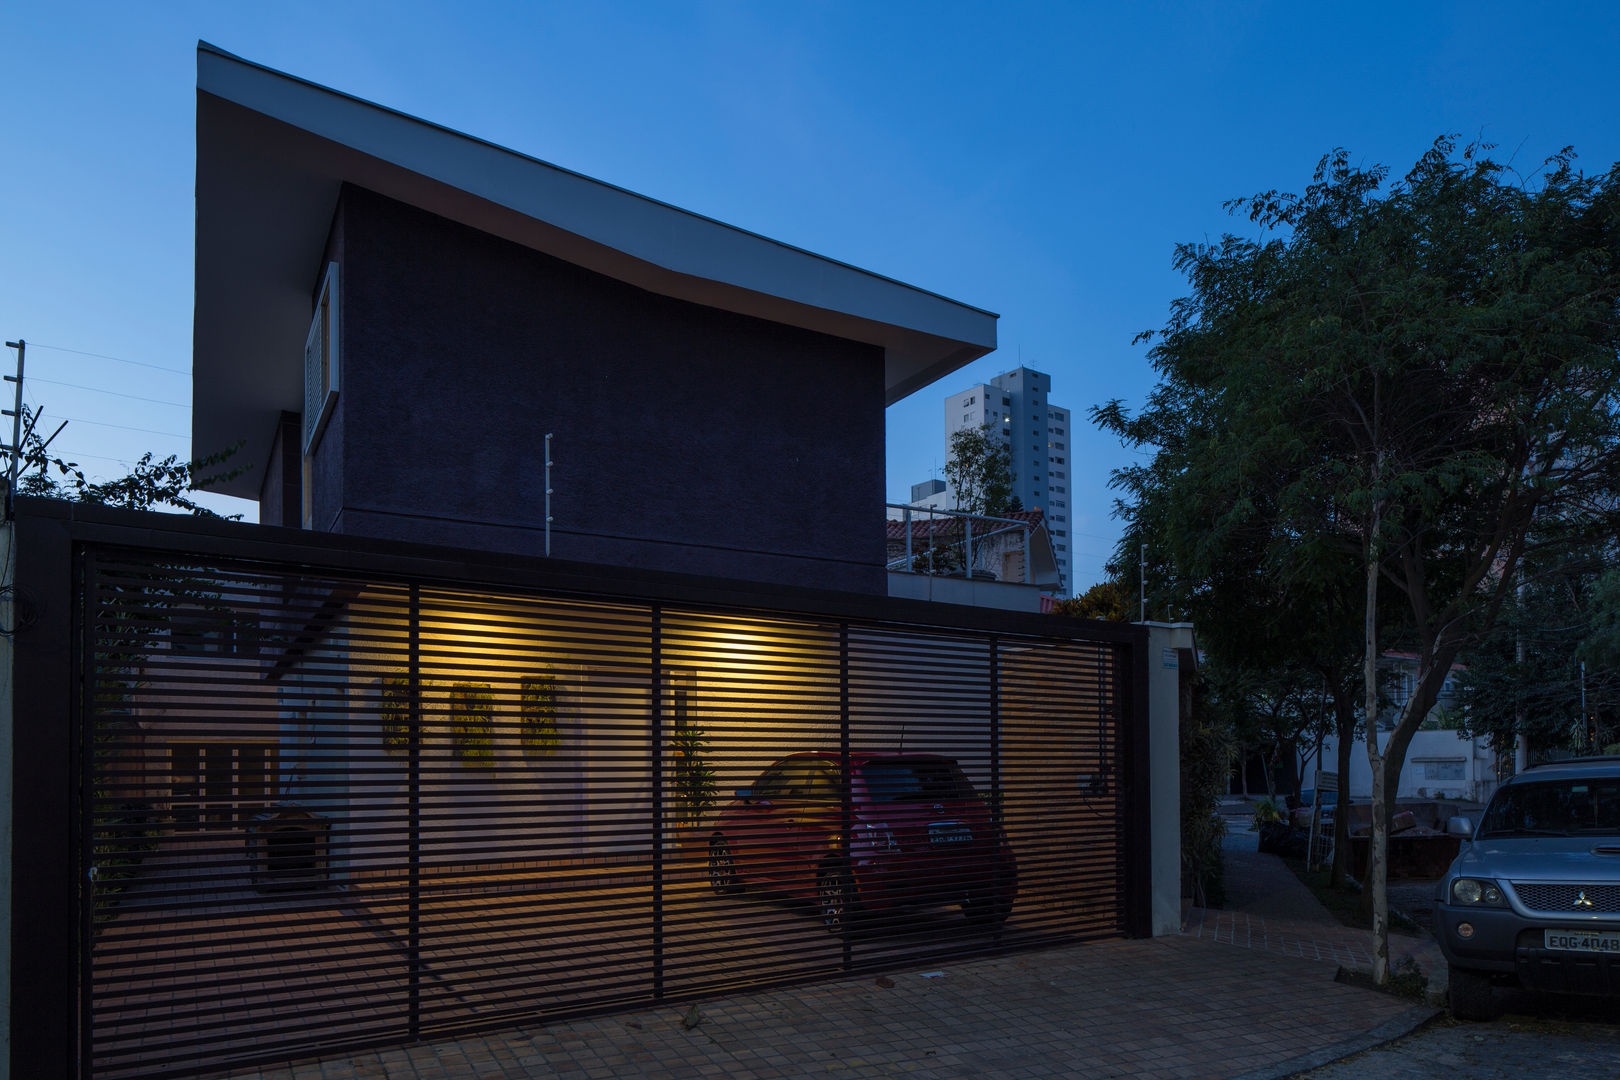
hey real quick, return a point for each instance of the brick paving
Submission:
(1270, 909)
(1179, 1008)
(1173, 1008)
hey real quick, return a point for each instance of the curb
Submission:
(1395, 1028)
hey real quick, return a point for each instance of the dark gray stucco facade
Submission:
(685, 437)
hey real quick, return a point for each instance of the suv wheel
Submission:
(722, 868)
(1470, 994)
(835, 894)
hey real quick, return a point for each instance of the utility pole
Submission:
(15, 412)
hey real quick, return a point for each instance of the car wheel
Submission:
(722, 867)
(835, 894)
(988, 909)
(1470, 994)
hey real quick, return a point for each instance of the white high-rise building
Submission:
(1015, 406)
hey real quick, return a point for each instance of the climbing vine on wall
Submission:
(394, 714)
(537, 714)
(471, 716)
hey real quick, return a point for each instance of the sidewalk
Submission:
(1268, 908)
(1189, 1006)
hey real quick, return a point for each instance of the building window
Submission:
(1444, 770)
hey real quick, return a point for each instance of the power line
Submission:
(114, 393)
(115, 359)
(71, 457)
(123, 427)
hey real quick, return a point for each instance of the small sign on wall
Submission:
(1169, 658)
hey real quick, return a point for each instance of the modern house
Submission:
(476, 307)
(440, 746)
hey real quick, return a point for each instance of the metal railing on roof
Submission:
(990, 527)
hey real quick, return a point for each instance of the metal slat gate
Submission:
(329, 812)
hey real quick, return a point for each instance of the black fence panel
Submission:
(328, 810)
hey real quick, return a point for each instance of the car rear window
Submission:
(1555, 808)
(895, 780)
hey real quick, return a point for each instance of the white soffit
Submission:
(273, 151)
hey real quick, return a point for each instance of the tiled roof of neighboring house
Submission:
(925, 527)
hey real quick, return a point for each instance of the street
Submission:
(1537, 1039)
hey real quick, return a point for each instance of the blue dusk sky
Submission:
(1040, 160)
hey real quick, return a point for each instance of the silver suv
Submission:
(1533, 898)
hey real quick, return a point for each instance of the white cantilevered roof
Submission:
(273, 150)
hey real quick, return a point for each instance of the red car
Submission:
(919, 835)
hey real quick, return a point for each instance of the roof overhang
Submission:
(274, 150)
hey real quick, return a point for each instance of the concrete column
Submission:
(1172, 662)
(8, 620)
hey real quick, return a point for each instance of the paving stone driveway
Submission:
(1174, 1008)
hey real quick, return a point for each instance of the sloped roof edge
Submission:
(273, 151)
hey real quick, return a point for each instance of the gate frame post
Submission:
(45, 933)
(1137, 788)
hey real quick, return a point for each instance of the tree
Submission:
(1264, 609)
(1422, 379)
(979, 471)
(148, 485)
(1532, 676)
(1106, 601)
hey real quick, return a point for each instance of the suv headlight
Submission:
(1480, 892)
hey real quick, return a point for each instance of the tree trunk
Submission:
(1377, 862)
(1346, 717)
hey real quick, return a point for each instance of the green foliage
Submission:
(693, 779)
(1266, 811)
(1409, 378)
(1601, 647)
(537, 714)
(1526, 676)
(1106, 601)
(1207, 750)
(1405, 390)
(943, 557)
(979, 471)
(471, 719)
(394, 713)
(148, 485)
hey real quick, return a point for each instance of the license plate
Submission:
(1595, 941)
(949, 833)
